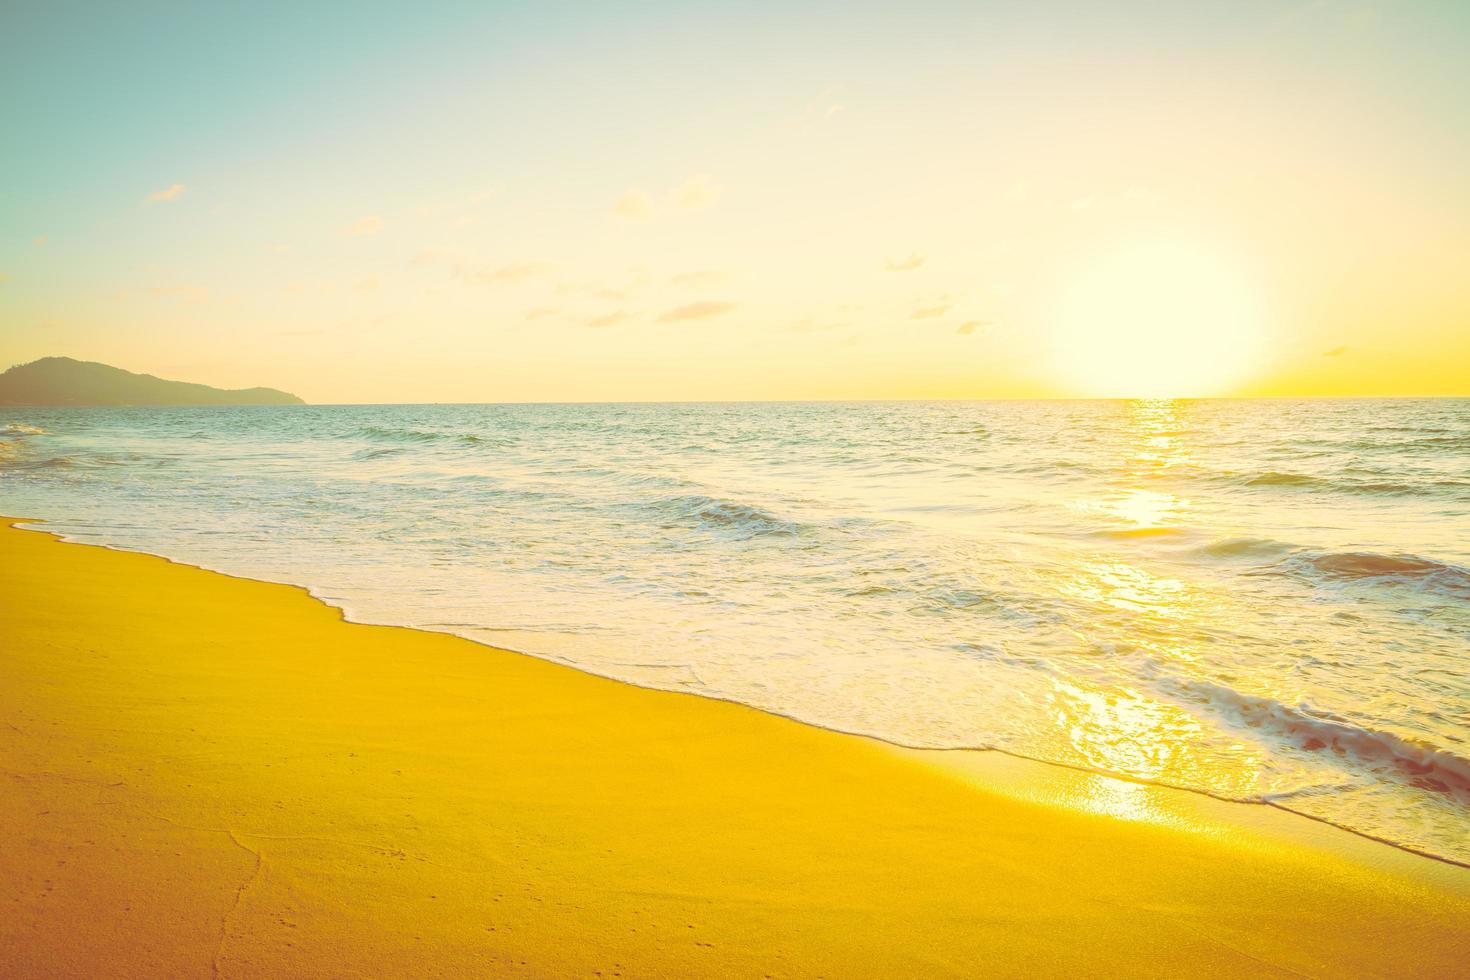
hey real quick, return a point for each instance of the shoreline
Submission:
(603, 812)
(38, 525)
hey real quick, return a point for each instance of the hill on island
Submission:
(64, 381)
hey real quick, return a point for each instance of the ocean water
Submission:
(1262, 600)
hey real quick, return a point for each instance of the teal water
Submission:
(1263, 600)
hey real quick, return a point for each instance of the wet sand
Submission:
(206, 775)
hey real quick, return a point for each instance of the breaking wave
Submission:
(1346, 567)
(1421, 765)
(726, 517)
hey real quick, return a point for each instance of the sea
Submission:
(1260, 600)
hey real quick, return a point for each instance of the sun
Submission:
(1157, 319)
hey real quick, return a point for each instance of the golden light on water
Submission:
(1158, 318)
(1158, 429)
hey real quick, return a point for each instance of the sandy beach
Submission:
(210, 776)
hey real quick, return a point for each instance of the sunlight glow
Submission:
(1157, 318)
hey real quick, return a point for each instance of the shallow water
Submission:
(1263, 600)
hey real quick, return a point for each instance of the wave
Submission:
(1273, 478)
(1419, 764)
(1424, 441)
(84, 461)
(49, 463)
(381, 434)
(364, 455)
(17, 430)
(1244, 548)
(376, 433)
(1371, 487)
(727, 517)
(1370, 567)
(1143, 533)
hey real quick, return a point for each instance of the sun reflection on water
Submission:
(1157, 427)
(1146, 621)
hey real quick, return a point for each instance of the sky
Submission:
(594, 201)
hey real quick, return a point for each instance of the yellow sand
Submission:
(209, 775)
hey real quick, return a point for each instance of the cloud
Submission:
(595, 290)
(825, 105)
(970, 326)
(607, 320)
(41, 241)
(930, 312)
(696, 311)
(370, 225)
(633, 205)
(811, 325)
(504, 275)
(1335, 352)
(541, 312)
(460, 210)
(697, 193)
(909, 264)
(427, 256)
(170, 193)
(194, 295)
(703, 277)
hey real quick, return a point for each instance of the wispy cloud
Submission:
(811, 325)
(596, 290)
(170, 193)
(633, 206)
(970, 326)
(702, 310)
(193, 295)
(606, 320)
(702, 277)
(696, 193)
(1335, 352)
(930, 312)
(826, 104)
(909, 264)
(365, 227)
(541, 312)
(459, 210)
(504, 275)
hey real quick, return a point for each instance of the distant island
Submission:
(65, 381)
